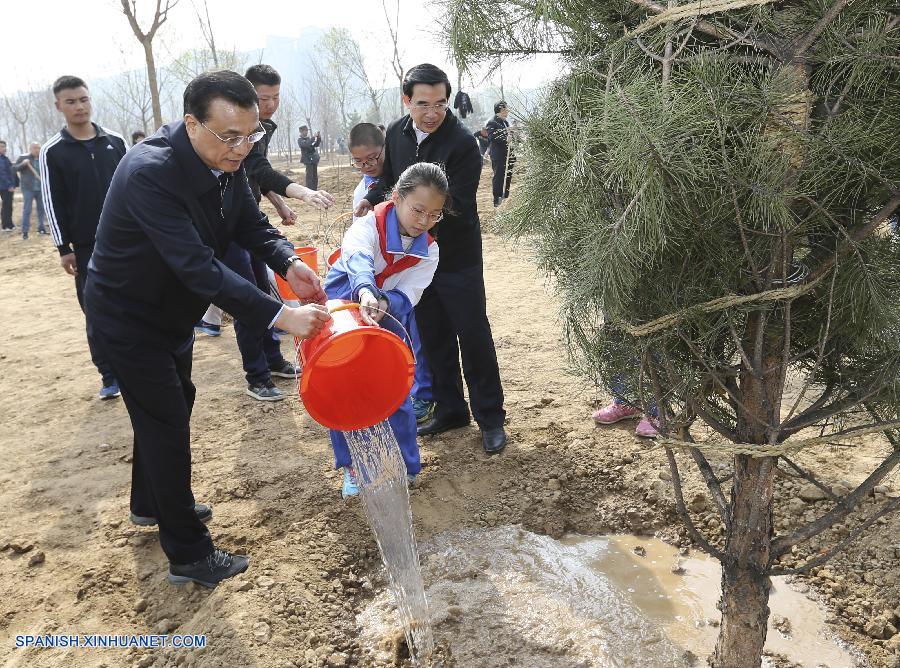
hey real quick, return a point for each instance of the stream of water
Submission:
(385, 497)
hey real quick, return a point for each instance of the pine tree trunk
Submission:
(151, 80)
(745, 584)
(745, 587)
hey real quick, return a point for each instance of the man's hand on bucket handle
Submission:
(304, 321)
(305, 283)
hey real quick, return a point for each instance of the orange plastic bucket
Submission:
(309, 255)
(333, 258)
(354, 375)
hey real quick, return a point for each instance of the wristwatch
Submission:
(287, 265)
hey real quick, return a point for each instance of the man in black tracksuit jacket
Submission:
(175, 204)
(260, 350)
(451, 315)
(75, 175)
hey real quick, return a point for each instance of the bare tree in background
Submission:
(131, 101)
(20, 108)
(289, 115)
(45, 119)
(394, 32)
(344, 53)
(160, 15)
(331, 76)
(206, 29)
(187, 65)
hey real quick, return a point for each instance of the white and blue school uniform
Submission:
(422, 382)
(375, 255)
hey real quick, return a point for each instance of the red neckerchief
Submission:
(393, 266)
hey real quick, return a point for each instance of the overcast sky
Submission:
(41, 39)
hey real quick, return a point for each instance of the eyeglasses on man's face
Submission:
(368, 162)
(234, 142)
(423, 107)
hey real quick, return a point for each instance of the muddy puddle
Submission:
(508, 597)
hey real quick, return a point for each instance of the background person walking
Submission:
(28, 167)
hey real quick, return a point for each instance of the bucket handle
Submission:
(357, 306)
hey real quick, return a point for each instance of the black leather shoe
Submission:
(204, 514)
(493, 440)
(209, 571)
(439, 425)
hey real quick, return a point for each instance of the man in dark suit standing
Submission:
(452, 315)
(502, 157)
(175, 203)
(309, 155)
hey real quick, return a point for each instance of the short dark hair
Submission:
(263, 75)
(499, 106)
(67, 81)
(304, 127)
(425, 74)
(136, 134)
(209, 86)
(365, 134)
(3, 141)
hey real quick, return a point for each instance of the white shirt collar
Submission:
(420, 136)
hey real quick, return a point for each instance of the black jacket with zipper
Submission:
(74, 182)
(453, 147)
(262, 176)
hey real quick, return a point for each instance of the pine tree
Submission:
(709, 184)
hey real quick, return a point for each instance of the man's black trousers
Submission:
(453, 322)
(6, 196)
(82, 257)
(502, 173)
(158, 393)
(312, 175)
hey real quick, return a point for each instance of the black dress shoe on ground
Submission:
(209, 571)
(204, 514)
(439, 425)
(493, 440)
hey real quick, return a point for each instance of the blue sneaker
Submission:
(209, 329)
(351, 486)
(423, 410)
(110, 391)
(411, 479)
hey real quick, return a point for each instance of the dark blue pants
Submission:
(421, 388)
(260, 348)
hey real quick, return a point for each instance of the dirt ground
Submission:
(70, 562)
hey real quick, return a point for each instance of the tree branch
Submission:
(819, 28)
(812, 479)
(683, 513)
(713, 30)
(887, 508)
(714, 486)
(850, 501)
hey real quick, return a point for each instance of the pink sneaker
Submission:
(615, 413)
(646, 429)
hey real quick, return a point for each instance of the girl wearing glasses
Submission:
(387, 260)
